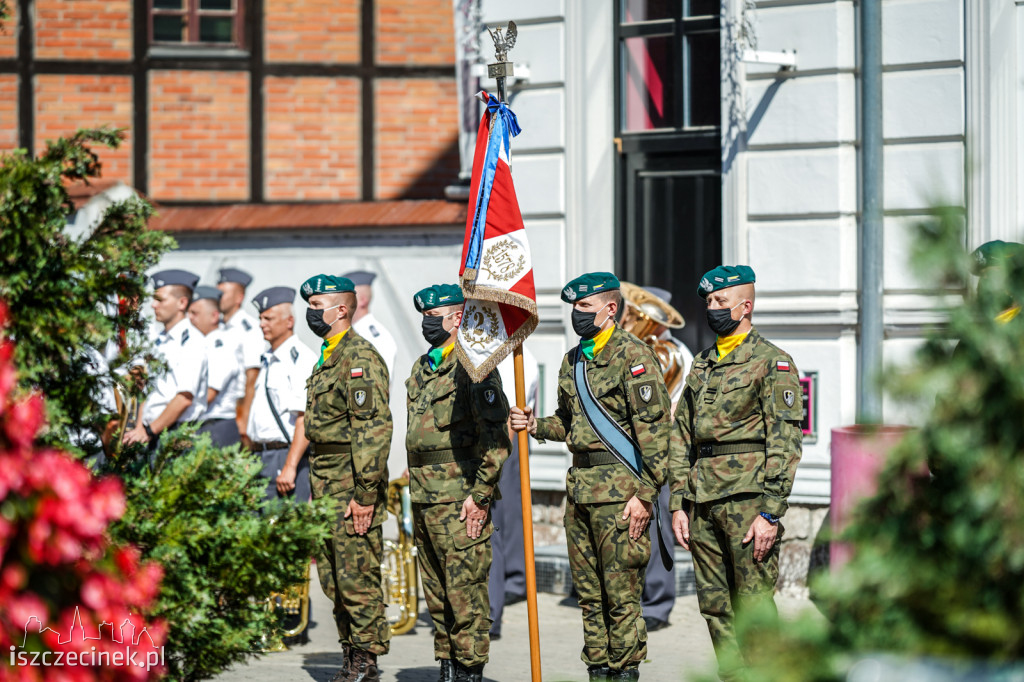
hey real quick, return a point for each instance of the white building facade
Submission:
(649, 147)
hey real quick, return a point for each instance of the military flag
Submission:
(496, 273)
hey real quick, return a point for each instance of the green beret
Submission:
(325, 284)
(588, 285)
(994, 254)
(725, 276)
(437, 296)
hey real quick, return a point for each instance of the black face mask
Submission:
(315, 320)
(721, 322)
(434, 331)
(583, 324)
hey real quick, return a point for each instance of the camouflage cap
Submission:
(994, 254)
(588, 285)
(325, 284)
(437, 296)
(725, 276)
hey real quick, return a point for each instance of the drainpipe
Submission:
(869, 352)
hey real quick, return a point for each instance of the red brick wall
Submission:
(66, 103)
(9, 35)
(83, 29)
(199, 135)
(312, 139)
(415, 32)
(312, 30)
(8, 112)
(417, 137)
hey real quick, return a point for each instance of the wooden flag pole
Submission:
(501, 70)
(524, 487)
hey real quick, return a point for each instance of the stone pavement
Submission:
(672, 652)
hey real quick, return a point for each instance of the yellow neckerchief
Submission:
(1008, 314)
(727, 344)
(328, 347)
(436, 356)
(591, 347)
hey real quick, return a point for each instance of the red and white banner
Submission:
(497, 273)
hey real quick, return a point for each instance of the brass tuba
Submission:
(643, 315)
(398, 569)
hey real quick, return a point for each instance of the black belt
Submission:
(585, 460)
(422, 459)
(272, 445)
(330, 448)
(712, 449)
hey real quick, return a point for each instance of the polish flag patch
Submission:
(357, 372)
(637, 370)
(782, 366)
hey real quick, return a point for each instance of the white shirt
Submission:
(183, 348)
(224, 374)
(286, 371)
(531, 377)
(243, 335)
(373, 331)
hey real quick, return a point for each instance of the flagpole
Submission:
(524, 488)
(501, 70)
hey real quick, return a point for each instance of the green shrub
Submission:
(200, 512)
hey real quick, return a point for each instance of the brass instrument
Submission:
(294, 601)
(645, 316)
(398, 569)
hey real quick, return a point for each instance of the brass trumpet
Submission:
(399, 577)
(644, 316)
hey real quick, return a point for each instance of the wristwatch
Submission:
(770, 518)
(482, 500)
(148, 430)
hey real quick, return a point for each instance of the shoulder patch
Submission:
(638, 370)
(246, 325)
(184, 337)
(373, 330)
(295, 355)
(357, 372)
(490, 395)
(782, 365)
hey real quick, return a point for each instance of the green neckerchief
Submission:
(592, 346)
(435, 356)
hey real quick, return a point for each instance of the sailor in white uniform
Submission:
(242, 331)
(366, 325)
(179, 395)
(276, 424)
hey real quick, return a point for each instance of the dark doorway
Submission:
(668, 174)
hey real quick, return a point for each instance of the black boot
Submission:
(465, 673)
(598, 673)
(363, 667)
(625, 674)
(346, 654)
(447, 671)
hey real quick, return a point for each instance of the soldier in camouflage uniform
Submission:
(735, 449)
(608, 508)
(348, 423)
(457, 441)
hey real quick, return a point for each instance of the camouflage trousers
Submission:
(728, 579)
(454, 570)
(608, 570)
(349, 570)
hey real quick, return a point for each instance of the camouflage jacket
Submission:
(626, 378)
(449, 412)
(347, 403)
(752, 396)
